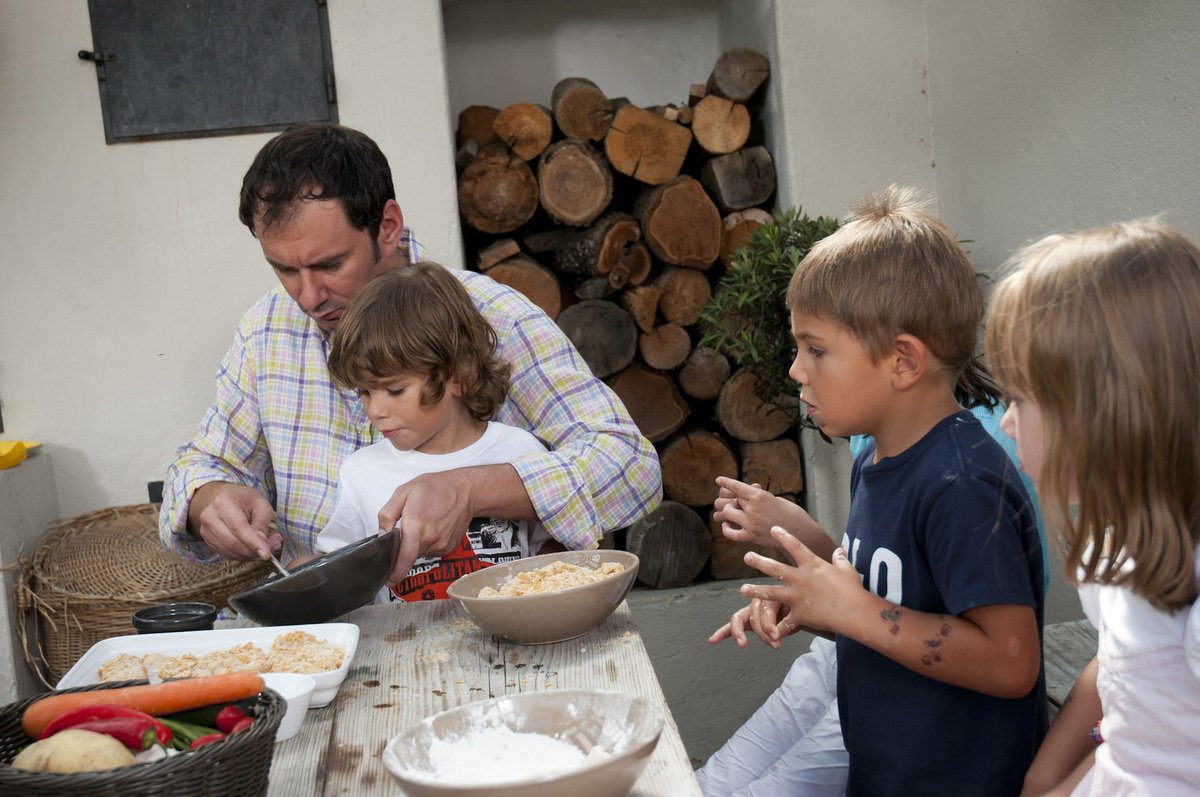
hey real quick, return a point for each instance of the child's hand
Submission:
(816, 592)
(747, 513)
(761, 616)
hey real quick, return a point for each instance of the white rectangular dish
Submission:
(86, 671)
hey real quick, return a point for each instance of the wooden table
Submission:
(422, 658)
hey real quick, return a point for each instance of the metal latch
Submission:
(98, 58)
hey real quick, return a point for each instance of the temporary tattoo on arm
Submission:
(933, 656)
(892, 616)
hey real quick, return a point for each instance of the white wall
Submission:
(499, 53)
(1052, 116)
(124, 268)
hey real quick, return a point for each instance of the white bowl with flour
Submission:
(586, 742)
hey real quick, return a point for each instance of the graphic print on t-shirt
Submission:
(488, 541)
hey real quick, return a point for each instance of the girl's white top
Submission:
(1149, 685)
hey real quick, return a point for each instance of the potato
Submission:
(74, 750)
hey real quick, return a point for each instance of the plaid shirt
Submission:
(280, 425)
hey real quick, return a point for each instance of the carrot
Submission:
(167, 697)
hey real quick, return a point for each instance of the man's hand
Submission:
(233, 519)
(435, 510)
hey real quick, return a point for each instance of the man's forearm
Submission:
(496, 491)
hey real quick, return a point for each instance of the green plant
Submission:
(746, 319)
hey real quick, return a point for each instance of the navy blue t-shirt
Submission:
(944, 527)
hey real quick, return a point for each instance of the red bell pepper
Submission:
(208, 738)
(136, 733)
(73, 718)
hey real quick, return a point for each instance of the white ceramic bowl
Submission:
(297, 690)
(618, 731)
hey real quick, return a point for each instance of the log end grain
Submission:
(604, 334)
(672, 544)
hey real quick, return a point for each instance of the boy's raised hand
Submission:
(817, 593)
(747, 513)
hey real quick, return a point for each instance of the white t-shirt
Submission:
(370, 475)
(1149, 685)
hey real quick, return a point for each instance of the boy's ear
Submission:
(454, 387)
(909, 360)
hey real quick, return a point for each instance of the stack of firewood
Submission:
(619, 221)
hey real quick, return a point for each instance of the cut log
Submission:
(685, 293)
(740, 179)
(497, 193)
(613, 243)
(666, 347)
(728, 558)
(774, 465)
(632, 266)
(580, 109)
(697, 92)
(538, 283)
(646, 147)
(672, 544)
(594, 288)
(738, 74)
(575, 182)
(642, 303)
(745, 416)
(604, 334)
(680, 223)
(526, 128)
(691, 464)
(475, 124)
(704, 373)
(550, 240)
(496, 251)
(720, 125)
(652, 400)
(737, 228)
(668, 112)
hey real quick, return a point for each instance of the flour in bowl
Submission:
(551, 578)
(497, 755)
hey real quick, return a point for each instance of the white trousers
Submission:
(793, 744)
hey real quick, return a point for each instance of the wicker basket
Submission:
(237, 765)
(91, 572)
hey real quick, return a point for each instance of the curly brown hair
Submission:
(419, 319)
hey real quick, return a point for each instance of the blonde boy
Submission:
(935, 598)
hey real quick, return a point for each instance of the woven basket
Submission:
(237, 765)
(89, 573)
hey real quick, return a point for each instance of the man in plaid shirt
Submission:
(320, 200)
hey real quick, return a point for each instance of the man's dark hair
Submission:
(317, 161)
